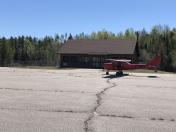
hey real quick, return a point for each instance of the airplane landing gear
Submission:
(119, 73)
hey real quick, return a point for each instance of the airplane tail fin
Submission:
(155, 61)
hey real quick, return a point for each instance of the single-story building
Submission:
(92, 53)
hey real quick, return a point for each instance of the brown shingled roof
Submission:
(98, 47)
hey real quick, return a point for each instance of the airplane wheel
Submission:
(107, 73)
(121, 72)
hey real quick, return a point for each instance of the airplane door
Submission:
(118, 65)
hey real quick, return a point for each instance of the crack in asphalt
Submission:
(99, 95)
(61, 91)
(93, 113)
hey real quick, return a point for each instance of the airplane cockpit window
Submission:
(119, 65)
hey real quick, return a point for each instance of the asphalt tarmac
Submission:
(86, 100)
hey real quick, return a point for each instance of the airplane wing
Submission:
(118, 60)
(122, 60)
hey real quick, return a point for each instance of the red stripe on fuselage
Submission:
(126, 66)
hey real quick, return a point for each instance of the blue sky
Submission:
(48, 17)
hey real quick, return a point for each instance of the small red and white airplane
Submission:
(120, 65)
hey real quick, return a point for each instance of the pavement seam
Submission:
(90, 116)
(59, 91)
(120, 116)
(130, 117)
(40, 110)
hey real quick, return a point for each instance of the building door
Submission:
(96, 62)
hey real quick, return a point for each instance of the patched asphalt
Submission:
(86, 100)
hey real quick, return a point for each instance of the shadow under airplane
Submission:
(115, 76)
(126, 74)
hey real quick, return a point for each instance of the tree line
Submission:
(27, 50)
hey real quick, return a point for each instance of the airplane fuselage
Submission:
(126, 66)
(120, 65)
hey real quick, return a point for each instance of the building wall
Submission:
(89, 61)
(58, 61)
